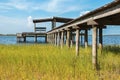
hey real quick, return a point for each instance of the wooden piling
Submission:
(71, 39)
(55, 39)
(35, 38)
(100, 38)
(58, 39)
(34, 27)
(24, 38)
(77, 41)
(62, 38)
(53, 23)
(68, 38)
(86, 38)
(46, 38)
(94, 46)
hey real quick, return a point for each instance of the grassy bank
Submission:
(47, 62)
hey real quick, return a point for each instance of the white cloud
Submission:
(59, 6)
(13, 25)
(84, 12)
(30, 23)
(15, 4)
(55, 6)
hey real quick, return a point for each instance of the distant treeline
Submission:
(7, 34)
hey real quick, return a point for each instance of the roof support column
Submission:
(94, 46)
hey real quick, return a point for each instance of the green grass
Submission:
(48, 62)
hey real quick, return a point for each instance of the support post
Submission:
(24, 38)
(62, 39)
(81, 41)
(50, 38)
(94, 47)
(71, 39)
(65, 37)
(77, 41)
(100, 38)
(86, 38)
(58, 39)
(35, 38)
(34, 27)
(55, 39)
(53, 23)
(35, 31)
(68, 38)
(46, 38)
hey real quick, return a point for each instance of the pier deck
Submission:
(21, 37)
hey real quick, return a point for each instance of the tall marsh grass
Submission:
(48, 62)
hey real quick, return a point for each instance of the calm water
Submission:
(107, 40)
(13, 40)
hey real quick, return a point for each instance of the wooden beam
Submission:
(94, 47)
(92, 22)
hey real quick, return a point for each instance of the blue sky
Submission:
(16, 15)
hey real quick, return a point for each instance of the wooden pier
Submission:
(21, 37)
(41, 31)
(97, 20)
